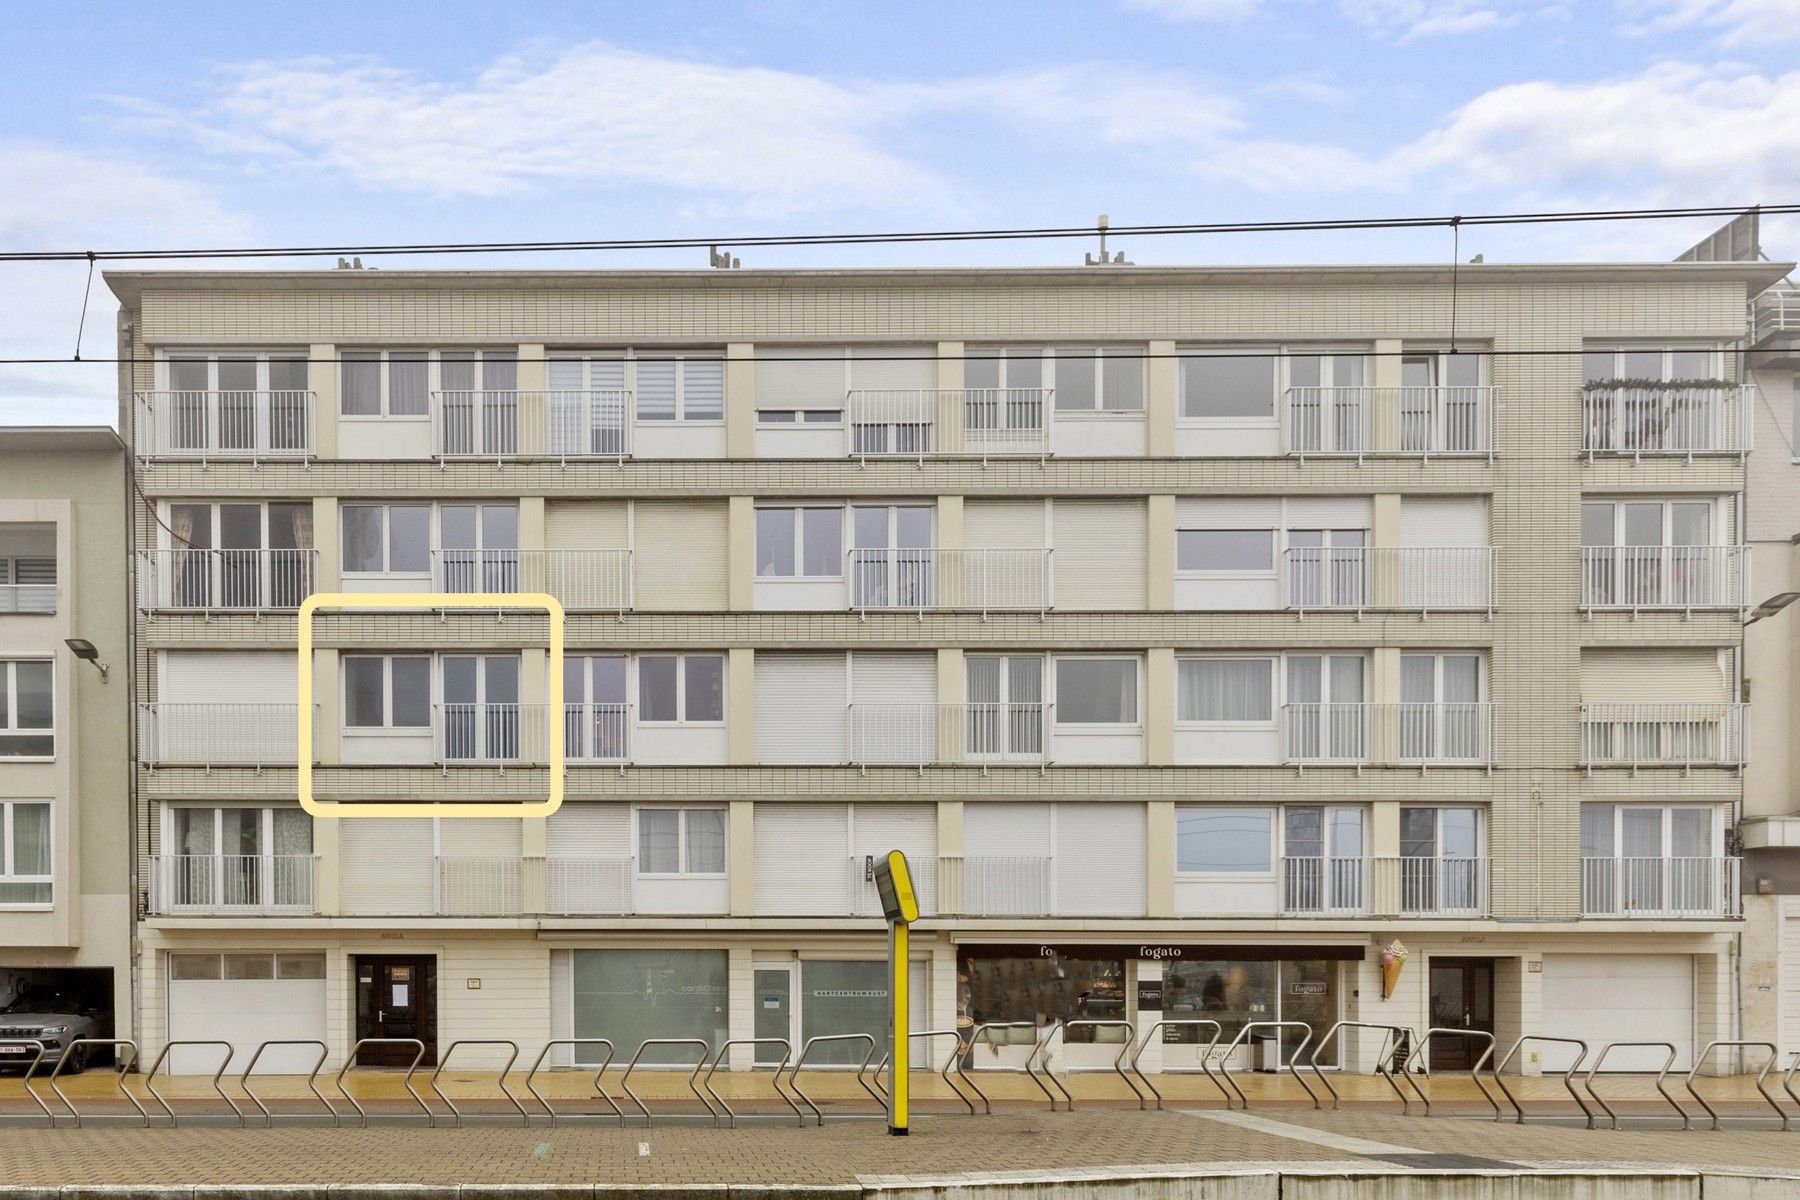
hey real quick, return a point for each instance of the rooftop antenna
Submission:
(722, 262)
(1117, 260)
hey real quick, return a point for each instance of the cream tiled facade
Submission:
(1210, 628)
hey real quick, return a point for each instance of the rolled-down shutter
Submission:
(679, 557)
(580, 830)
(800, 377)
(1443, 521)
(1100, 860)
(585, 525)
(893, 713)
(386, 867)
(802, 859)
(1003, 524)
(896, 367)
(1227, 512)
(228, 677)
(876, 829)
(1329, 512)
(800, 711)
(588, 865)
(993, 830)
(1680, 675)
(1100, 553)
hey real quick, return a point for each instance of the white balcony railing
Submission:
(1314, 886)
(491, 733)
(1660, 887)
(35, 598)
(913, 580)
(597, 733)
(917, 735)
(485, 885)
(200, 884)
(560, 424)
(1412, 421)
(207, 425)
(220, 735)
(1665, 735)
(1775, 311)
(864, 899)
(599, 580)
(226, 580)
(1414, 578)
(1637, 418)
(925, 423)
(989, 886)
(1404, 734)
(589, 886)
(1430, 887)
(1665, 577)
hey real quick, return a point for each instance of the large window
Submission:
(27, 708)
(480, 547)
(1097, 691)
(239, 555)
(799, 543)
(1225, 550)
(1041, 988)
(387, 383)
(1651, 858)
(844, 997)
(1651, 364)
(630, 996)
(1237, 992)
(393, 539)
(25, 872)
(387, 692)
(681, 688)
(1237, 387)
(1225, 841)
(238, 856)
(1225, 689)
(681, 841)
(1082, 378)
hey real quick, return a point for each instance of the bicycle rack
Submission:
(1787, 1079)
(120, 1067)
(862, 1067)
(1118, 1063)
(956, 1052)
(1419, 1051)
(969, 1048)
(598, 1074)
(311, 1077)
(444, 1059)
(150, 1078)
(1587, 1082)
(1389, 1044)
(33, 1065)
(1225, 1059)
(705, 1056)
(1204, 1069)
(1700, 1061)
(1498, 1071)
(787, 1052)
(350, 1065)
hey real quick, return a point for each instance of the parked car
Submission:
(51, 1018)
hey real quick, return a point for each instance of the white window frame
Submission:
(1247, 876)
(387, 728)
(434, 376)
(1091, 357)
(1283, 354)
(1715, 827)
(1276, 540)
(9, 854)
(845, 534)
(628, 358)
(1715, 365)
(9, 682)
(681, 840)
(1120, 727)
(1327, 837)
(166, 358)
(1277, 688)
(1482, 693)
(386, 508)
(681, 720)
(1437, 827)
(1715, 536)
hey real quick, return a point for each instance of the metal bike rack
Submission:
(150, 1078)
(1218, 1032)
(33, 1066)
(787, 1052)
(693, 1086)
(1389, 1044)
(1498, 1071)
(598, 1086)
(1424, 1046)
(1787, 1079)
(1687, 1122)
(956, 1052)
(350, 1065)
(444, 1059)
(1278, 1026)
(861, 1069)
(1117, 1067)
(1700, 1061)
(969, 1048)
(124, 1064)
(311, 1077)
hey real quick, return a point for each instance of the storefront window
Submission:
(630, 996)
(1309, 993)
(1041, 989)
(843, 997)
(1235, 993)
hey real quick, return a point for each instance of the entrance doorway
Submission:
(396, 997)
(1462, 997)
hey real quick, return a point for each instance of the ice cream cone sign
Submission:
(1393, 958)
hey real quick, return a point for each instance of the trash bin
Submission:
(1265, 1052)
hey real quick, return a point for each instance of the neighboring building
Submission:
(65, 755)
(1209, 626)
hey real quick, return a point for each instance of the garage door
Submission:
(1789, 975)
(245, 998)
(1603, 998)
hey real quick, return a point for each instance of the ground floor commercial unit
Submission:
(91, 977)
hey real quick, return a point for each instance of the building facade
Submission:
(1198, 633)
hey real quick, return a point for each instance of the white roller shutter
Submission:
(1443, 521)
(802, 859)
(562, 1007)
(1099, 860)
(893, 711)
(1679, 675)
(228, 677)
(1789, 975)
(876, 829)
(680, 557)
(800, 377)
(1100, 553)
(887, 367)
(480, 837)
(800, 708)
(588, 866)
(386, 866)
(1003, 524)
(581, 830)
(1603, 998)
(1228, 512)
(1329, 512)
(1006, 867)
(1004, 830)
(585, 525)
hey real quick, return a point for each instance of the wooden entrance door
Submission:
(396, 997)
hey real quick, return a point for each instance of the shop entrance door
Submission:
(774, 1011)
(1462, 997)
(396, 997)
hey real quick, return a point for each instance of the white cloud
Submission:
(1409, 20)
(1738, 23)
(1195, 10)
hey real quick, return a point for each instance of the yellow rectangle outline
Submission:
(389, 600)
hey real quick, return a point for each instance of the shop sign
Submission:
(1150, 995)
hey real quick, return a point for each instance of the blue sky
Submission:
(184, 124)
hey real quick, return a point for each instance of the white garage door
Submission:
(1789, 977)
(1603, 998)
(245, 998)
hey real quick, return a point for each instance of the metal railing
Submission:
(1671, 418)
(1316, 886)
(198, 884)
(1682, 577)
(220, 735)
(507, 423)
(925, 423)
(921, 579)
(1419, 886)
(37, 599)
(600, 580)
(1768, 1064)
(1393, 1037)
(1405, 734)
(996, 886)
(226, 580)
(1412, 578)
(582, 885)
(1665, 735)
(864, 900)
(1775, 311)
(917, 735)
(1660, 887)
(491, 733)
(481, 885)
(597, 733)
(1498, 1070)
(1354, 421)
(224, 424)
(1662, 1075)
(1422, 1051)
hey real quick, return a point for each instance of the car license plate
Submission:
(14, 1049)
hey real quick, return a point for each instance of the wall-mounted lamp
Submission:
(1771, 606)
(84, 650)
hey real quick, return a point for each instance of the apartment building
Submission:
(65, 814)
(1198, 633)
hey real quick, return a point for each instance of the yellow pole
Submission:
(900, 1064)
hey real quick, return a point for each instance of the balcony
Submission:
(1671, 577)
(919, 735)
(581, 580)
(1415, 422)
(36, 599)
(589, 886)
(915, 580)
(194, 580)
(1775, 313)
(1412, 578)
(561, 424)
(224, 425)
(233, 884)
(989, 886)
(1412, 886)
(1645, 417)
(597, 733)
(1660, 887)
(1665, 735)
(1422, 734)
(219, 735)
(921, 423)
(479, 734)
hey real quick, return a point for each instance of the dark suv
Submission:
(49, 1017)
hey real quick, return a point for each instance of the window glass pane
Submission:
(1305, 679)
(36, 709)
(629, 996)
(287, 374)
(1597, 830)
(1596, 365)
(1306, 370)
(300, 966)
(1346, 832)
(1226, 840)
(1463, 370)
(194, 830)
(193, 966)
(361, 385)
(705, 683)
(1690, 524)
(456, 527)
(1458, 832)
(656, 389)
(659, 841)
(1225, 689)
(409, 538)
(189, 374)
(870, 527)
(822, 541)
(656, 688)
(293, 831)
(607, 680)
(1690, 834)
(249, 966)
(456, 370)
(703, 389)
(362, 537)
(775, 542)
(412, 692)
(982, 372)
(31, 839)
(1303, 831)
(1122, 377)
(500, 526)
(242, 828)
(1096, 691)
(460, 680)
(1228, 387)
(363, 693)
(1643, 364)
(1024, 368)
(502, 679)
(1691, 364)
(1225, 549)
(499, 372)
(839, 998)
(705, 841)
(1418, 833)
(1075, 379)
(1418, 678)
(407, 385)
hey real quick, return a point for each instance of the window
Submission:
(27, 708)
(1326, 568)
(1096, 691)
(25, 872)
(1647, 523)
(1103, 379)
(799, 416)
(482, 720)
(1225, 689)
(387, 692)
(480, 547)
(393, 539)
(629, 996)
(238, 403)
(892, 563)
(1225, 550)
(28, 582)
(686, 688)
(1440, 833)
(800, 543)
(1650, 364)
(1221, 387)
(1651, 859)
(681, 841)
(1647, 831)
(239, 555)
(397, 383)
(1225, 841)
(237, 856)
(680, 387)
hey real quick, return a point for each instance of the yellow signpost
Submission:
(900, 904)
